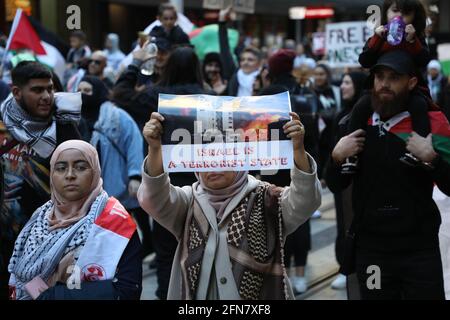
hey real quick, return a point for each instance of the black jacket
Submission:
(138, 104)
(126, 285)
(176, 36)
(230, 69)
(303, 102)
(393, 202)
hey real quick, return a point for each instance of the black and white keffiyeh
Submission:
(39, 134)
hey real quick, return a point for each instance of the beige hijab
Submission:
(73, 211)
(220, 198)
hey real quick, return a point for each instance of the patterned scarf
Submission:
(220, 198)
(255, 243)
(38, 250)
(37, 133)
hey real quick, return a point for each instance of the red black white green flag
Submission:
(401, 126)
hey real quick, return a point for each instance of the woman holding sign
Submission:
(230, 226)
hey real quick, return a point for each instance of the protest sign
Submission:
(318, 43)
(213, 133)
(242, 6)
(345, 41)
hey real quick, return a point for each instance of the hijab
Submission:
(220, 198)
(73, 211)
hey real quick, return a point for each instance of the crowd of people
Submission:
(82, 170)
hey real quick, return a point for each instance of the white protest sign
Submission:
(212, 133)
(213, 4)
(345, 41)
(242, 6)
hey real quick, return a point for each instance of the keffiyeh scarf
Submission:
(38, 251)
(39, 134)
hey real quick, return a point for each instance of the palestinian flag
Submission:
(444, 57)
(56, 48)
(31, 41)
(440, 129)
(23, 35)
(206, 39)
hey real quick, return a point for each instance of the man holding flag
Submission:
(394, 233)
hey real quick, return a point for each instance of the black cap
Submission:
(162, 43)
(398, 60)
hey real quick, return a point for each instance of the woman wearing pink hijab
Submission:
(81, 239)
(230, 226)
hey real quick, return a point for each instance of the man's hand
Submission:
(142, 53)
(227, 13)
(421, 148)
(133, 186)
(349, 146)
(410, 32)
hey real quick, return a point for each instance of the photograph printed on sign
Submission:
(212, 133)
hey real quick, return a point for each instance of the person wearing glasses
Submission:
(97, 67)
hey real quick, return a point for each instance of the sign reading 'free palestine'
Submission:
(344, 42)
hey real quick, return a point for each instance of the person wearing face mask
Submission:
(117, 139)
(230, 226)
(57, 255)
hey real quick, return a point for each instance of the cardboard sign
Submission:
(212, 133)
(242, 6)
(345, 41)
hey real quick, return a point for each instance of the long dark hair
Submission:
(183, 67)
(359, 79)
(327, 71)
(406, 7)
(212, 57)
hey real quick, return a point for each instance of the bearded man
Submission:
(393, 241)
